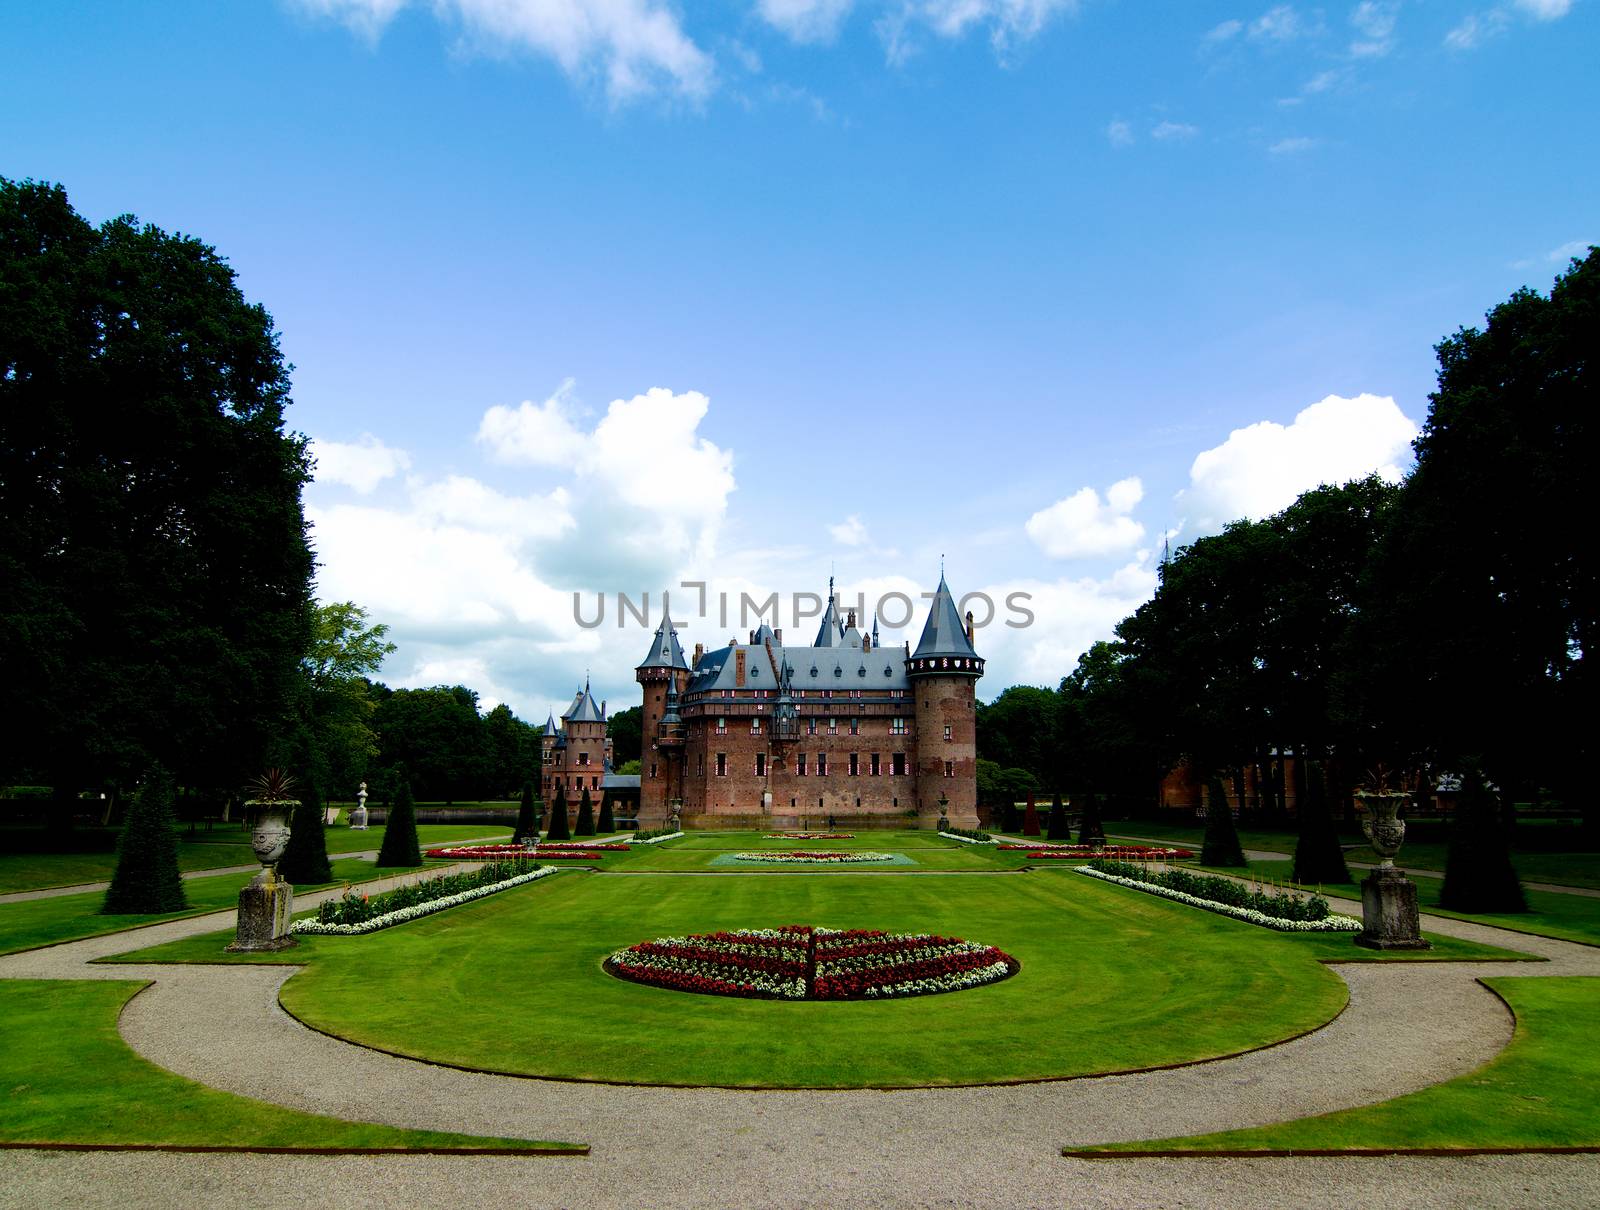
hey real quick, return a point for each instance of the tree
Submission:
(1318, 857)
(1058, 829)
(558, 828)
(154, 568)
(147, 879)
(306, 859)
(1090, 830)
(1220, 845)
(629, 768)
(585, 815)
(400, 845)
(437, 735)
(608, 823)
(511, 750)
(527, 817)
(1019, 730)
(626, 729)
(1478, 874)
(345, 652)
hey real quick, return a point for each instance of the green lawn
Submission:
(1541, 1092)
(70, 1078)
(697, 851)
(1552, 914)
(226, 845)
(36, 922)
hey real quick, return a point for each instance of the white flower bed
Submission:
(943, 983)
(315, 928)
(774, 857)
(967, 839)
(1328, 924)
(657, 839)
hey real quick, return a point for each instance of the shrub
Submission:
(1478, 874)
(306, 859)
(1317, 855)
(400, 844)
(607, 824)
(527, 817)
(1277, 903)
(969, 833)
(559, 829)
(1221, 844)
(585, 815)
(147, 879)
(356, 908)
(1057, 829)
(1090, 830)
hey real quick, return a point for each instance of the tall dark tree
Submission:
(527, 817)
(585, 814)
(559, 827)
(154, 569)
(511, 750)
(1478, 874)
(147, 878)
(1220, 845)
(625, 727)
(1318, 857)
(1056, 828)
(400, 844)
(305, 861)
(437, 735)
(608, 823)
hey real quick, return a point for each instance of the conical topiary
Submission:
(527, 817)
(306, 859)
(558, 818)
(400, 845)
(1221, 844)
(585, 815)
(1090, 829)
(1478, 874)
(147, 879)
(1030, 818)
(1057, 828)
(608, 823)
(1317, 855)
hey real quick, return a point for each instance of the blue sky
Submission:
(1026, 283)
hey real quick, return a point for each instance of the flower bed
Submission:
(1249, 910)
(501, 852)
(798, 962)
(804, 857)
(811, 836)
(1131, 852)
(352, 914)
(967, 835)
(653, 837)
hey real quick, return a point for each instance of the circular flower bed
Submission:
(1125, 852)
(811, 835)
(806, 857)
(798, 962)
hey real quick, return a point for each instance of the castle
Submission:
(764, 735)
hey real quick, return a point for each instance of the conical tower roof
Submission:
(664, 650)
(831, 632)
(944, 634)
(583, 709)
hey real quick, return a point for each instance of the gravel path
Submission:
(1407, 1026)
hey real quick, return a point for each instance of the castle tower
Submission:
(662, 676)
(583, 754)
(943, 672)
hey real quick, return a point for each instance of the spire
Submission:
(550, 727)
(664, 650)
(874, 627)
(831, 632)
(943, 634)
(583, 708)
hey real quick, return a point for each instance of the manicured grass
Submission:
(36, 922)
(1104, 975)
(698, 850)
(226, 845)
(70, 1078)
(1552, 914)
(1540, 1092)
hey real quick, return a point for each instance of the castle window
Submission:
(652, 769)
(947, 731)
(887, 671)
(755, 726)
(594, 783)
(822, 764)
(861, 671)
(855, 765)
(583, 758)
(799, 764)
(722, 725)
(833, 726)
(700, 765)
(897, 764)
(811, 726)
(838, 671)
(897, 726)
(722, 764)
(761, 764)
(949, 768)
(855, 726)
(876, 767)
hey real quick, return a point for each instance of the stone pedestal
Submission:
(266, 907)
(1389, 912)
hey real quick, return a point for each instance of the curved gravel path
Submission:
(1407, 1026)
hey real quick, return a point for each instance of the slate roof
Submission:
(944, 633)
(664, 650)
(583, 709)
(809, 668)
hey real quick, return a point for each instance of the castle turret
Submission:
(943, 672)
(662, 676)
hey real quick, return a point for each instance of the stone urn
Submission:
(266, 904)
(270, 836)
(358, 817)
(1384, 828)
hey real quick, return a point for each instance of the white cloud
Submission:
(1119, 133)
(1292, 145)
(1321, 82)
(635, 46)
(361, 464)
(1278, 24)
(1226, 31)
(1374, 21)
(533, 434)
(1260, 469)
(1545, 10)
(1082, 525)
(850, 532)
(1167, 131)
(1557, 256)
(805, 20)
(1009, 22)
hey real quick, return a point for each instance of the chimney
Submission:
(866, 642)
(852, 617)
(603, 704)
(738, 667)
(699, 650)
(777, 636)
(969, 628)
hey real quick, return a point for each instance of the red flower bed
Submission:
(1129, 852)
(495, 852)
(811, 836)
(797, 962)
